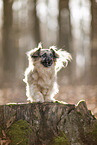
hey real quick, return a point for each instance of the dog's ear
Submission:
(36, 53)
(55, 54)
(40, 45)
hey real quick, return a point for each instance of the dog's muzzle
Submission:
(47, 62)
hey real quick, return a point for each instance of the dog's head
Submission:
(47, 56)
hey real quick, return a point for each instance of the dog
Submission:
(41, 74)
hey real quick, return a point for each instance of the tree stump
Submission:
(47, 124)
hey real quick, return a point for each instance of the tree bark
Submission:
(47, 123)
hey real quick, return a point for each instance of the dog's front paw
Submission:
(38, 97)
(48, 99)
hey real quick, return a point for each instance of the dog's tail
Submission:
(62, 61)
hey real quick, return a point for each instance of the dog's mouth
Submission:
(47, 63)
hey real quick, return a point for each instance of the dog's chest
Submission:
(44, 77)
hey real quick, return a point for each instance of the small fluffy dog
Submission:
(41, 74)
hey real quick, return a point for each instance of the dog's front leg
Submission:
(49, 95)
(35, 94)
(51, 92)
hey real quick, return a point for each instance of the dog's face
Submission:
(47, 56)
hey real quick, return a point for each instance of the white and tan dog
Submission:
(41, 74)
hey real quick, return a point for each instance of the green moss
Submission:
(19, 132)
(79, 113)
(61, 139)
(56, 101)
(60, 102)
(12, 104)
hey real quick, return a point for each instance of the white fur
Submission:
(42, 81)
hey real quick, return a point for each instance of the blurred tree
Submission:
(9, 50)
(64, 24)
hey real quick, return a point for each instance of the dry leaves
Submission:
(4, 140)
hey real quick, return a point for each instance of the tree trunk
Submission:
(47, 123)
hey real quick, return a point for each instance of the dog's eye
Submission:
(51, 55)
(44, 55)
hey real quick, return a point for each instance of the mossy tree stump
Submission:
(47, 123)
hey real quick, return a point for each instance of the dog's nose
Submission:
(48, 59)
